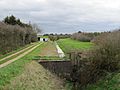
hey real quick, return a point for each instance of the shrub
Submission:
(106, 57)
(108, 52)
(101, 60)
(53, 38)
(14, 36)
(84, 37)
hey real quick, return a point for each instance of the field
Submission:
(68, 45)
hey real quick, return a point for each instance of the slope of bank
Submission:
(110, 82)
(35, 77)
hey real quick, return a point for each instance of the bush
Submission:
(106, 57)
(84, 37)
(53, 38)
(108, 52)
(14, 36)
(103, 59)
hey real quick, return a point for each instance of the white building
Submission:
(42, 39)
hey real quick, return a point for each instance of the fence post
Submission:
(75, 58)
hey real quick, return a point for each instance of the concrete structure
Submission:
(59, 50)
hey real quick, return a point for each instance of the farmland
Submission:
(68, 45)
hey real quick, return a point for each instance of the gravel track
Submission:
(18, 57)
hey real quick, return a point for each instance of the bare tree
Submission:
(36, 28)
(15, 36)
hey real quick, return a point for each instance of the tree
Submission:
(12, 20)
(79, 31)
(53, 38)
(36, 28)
(6, 20)
(18, 22)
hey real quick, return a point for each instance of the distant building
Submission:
(42, 39)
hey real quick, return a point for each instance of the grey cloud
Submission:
(65, 15)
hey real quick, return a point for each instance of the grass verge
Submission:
(47, 58)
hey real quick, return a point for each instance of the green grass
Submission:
(44, 36)
(68, 45)
(47, 58)
(68, 85)
(110, 82)
(12, 70)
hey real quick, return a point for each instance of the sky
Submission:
(65, 16)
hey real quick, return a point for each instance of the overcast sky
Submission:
(65, 16)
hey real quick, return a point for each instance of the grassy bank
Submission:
(69, 45)
(110, 82)
(17, 50)
(35, 77)
(12, 70)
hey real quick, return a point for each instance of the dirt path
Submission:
(49, 49)
(16, 53)
(20, 56)
(35, 77)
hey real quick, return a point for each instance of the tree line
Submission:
(12, 20)
(14, 34)
(84, 36)
(55, 37)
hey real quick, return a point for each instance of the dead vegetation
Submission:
(84, 37)
(35, 77)
(15, 36)
(105, 58)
